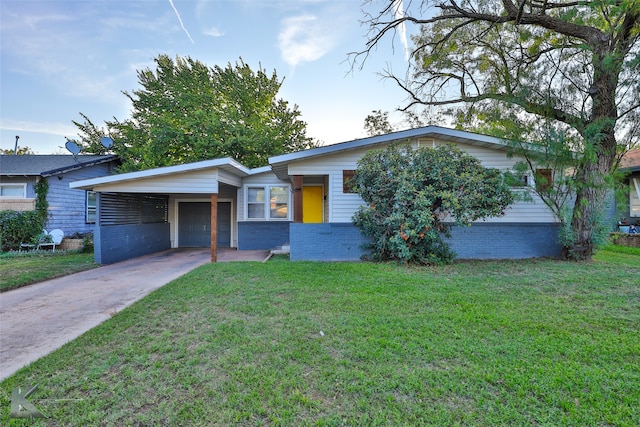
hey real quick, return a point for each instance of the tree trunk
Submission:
(598, 158)
(589, 206)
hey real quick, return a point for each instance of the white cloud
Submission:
(62, 129)
(304, 39)
(213, 32)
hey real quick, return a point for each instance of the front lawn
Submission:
(535, 342)
(24, 268)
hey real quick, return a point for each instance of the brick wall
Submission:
(120, 242)
(326, 242)
(624, 239)
(254, 235)
(343, 242)
(506, 241)
(20, 205)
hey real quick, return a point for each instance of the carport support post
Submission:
(297, 198)
(214, 227)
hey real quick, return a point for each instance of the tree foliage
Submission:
(187, 111)
(562, 74)
(413, 196)
(19, 151)
(377, 123)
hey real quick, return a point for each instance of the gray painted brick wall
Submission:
(506, 241)
(326, 242)
(254, 235)
(120, 242)
(343, 242)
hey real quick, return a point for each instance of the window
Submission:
(267, 202)
(255, 202)
(347, 177)
(13, 190)
(90, 215)
(544, 179)
(516, 180)
(279, 202)
(634, 197)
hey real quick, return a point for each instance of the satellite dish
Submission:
(72, 147)
(106, 142)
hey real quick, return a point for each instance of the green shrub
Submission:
(19, 227)
(25, 227)
(87, 243)
(414, 195)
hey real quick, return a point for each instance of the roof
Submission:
(631, 161)
(227, 164)
(48, 164)
(280, 163)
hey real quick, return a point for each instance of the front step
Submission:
(281, 250)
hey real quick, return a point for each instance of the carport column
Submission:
(297, 198)
(214, 227)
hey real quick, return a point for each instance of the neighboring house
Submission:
(630, 164)
(71, 210)
(298, 200)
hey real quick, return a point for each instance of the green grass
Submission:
(24, 268)
(621, 249)
(535, 342)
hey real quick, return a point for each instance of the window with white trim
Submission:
(91, 207)
(18, 191)
(634, 197)
(267, 202)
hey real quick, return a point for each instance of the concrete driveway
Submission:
(37, 319)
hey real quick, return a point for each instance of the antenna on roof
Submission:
(106, 142)
(73, 149)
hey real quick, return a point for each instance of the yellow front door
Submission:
(312, 202)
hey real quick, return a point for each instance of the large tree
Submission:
(532, 70)
(187, 111)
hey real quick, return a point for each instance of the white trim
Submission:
(427, 132)
(328, 180)
(227, 164)
(267, 189)
(636, 212)
(86, 207)
(15, 185)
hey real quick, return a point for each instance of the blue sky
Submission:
(60, 58)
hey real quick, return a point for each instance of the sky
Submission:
(62, 58)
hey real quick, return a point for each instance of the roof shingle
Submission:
(47, 164)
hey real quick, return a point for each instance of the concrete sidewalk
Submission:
(37, 319)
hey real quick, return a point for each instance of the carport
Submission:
(192, 205)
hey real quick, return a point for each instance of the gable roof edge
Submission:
(80, 165)
(427, 131)
(239, 168)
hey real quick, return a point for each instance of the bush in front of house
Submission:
(25, 227)
(414, 196)
(19, 227)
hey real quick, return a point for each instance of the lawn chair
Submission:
(55, 238)
(29, 246)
